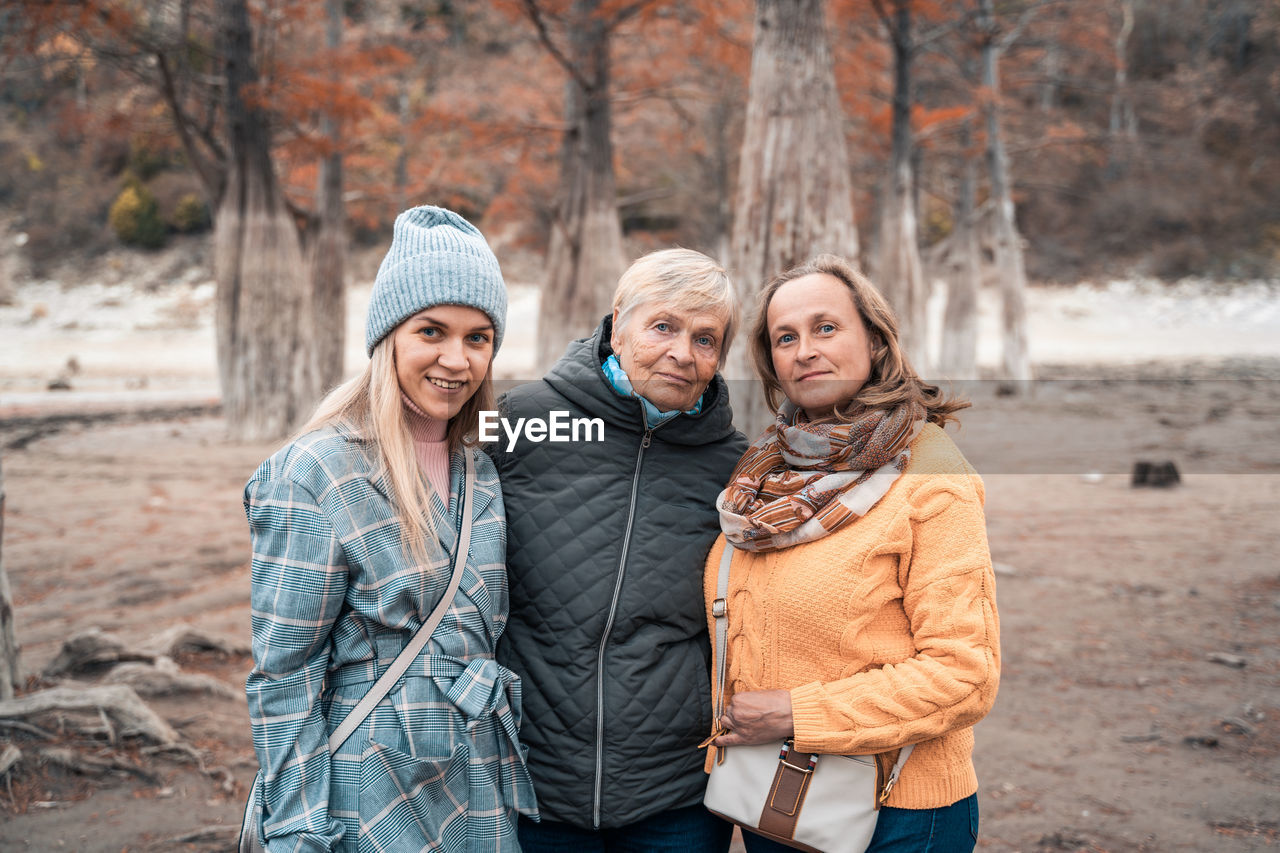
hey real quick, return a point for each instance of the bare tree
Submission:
(265, 328)
(585, 256)
(328, 249)
(9, 648)
(794, 195)
(959, 353)
(898, 269)
(1015, 358)
(1124, 122)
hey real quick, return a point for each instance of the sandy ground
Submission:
(1115, 728)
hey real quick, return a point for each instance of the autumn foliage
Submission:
(460, 104)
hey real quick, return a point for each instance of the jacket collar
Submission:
(579, 377)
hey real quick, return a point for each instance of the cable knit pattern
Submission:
(884, 631)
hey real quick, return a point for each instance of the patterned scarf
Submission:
(800, 481)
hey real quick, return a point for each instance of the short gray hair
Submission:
(687, 281)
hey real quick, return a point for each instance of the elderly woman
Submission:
(605, 548)
(860, 598)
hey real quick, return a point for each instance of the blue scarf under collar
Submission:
(653, 416)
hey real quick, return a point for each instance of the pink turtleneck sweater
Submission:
(430, 445)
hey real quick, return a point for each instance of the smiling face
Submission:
(442, 355)
(820, 346)
(669, 355)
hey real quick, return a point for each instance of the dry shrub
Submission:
(181, 201)
(135, 217)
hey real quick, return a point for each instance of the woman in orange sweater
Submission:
(861, 601)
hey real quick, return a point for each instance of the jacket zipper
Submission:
(608, 625)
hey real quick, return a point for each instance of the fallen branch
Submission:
(181, 639)
(28, 728)
(216, 832)
(88, 765)
(119, 701)
(163, 678)
(89, 652)
(226, 781)
(11, 756)
(93, 650)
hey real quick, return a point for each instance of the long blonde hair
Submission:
(370, 406)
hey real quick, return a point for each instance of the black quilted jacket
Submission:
(605, 549)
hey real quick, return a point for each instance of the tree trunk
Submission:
(898, 269)
(958, 359)
(1015, 360)
(328, 252)
(9, 648)
(794, 196)
(585, 257)
(266, 354)
(1123, 125)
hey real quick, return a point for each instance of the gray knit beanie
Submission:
(436, 258)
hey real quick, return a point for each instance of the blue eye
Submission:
(705, 341)
(785, 338)
(429, 332)
(662, 327)
(479, 338)
(826, 328)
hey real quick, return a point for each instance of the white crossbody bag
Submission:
(823, 803)
(251, 824)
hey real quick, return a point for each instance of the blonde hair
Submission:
(892, 380)
(370, 406)
(684, 280)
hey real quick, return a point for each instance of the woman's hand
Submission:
(758, 716)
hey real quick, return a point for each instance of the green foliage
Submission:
(191, 214)
(135, 217)
(147, 160)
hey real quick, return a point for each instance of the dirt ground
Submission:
(1115, 728)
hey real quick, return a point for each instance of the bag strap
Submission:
(407, 655)
(720, 612)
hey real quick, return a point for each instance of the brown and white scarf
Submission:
(800, 481)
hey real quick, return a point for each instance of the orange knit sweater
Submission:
(885, 631)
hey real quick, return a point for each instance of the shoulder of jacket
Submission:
(315, 459)
(937, 465)
(529, 397)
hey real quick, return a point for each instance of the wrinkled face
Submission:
(669, 355)
(442, 355)
(821, 349)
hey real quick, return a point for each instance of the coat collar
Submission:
(579, 377)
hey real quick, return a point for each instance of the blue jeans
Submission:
(950, 829)
(688, 830)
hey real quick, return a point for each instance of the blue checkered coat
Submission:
(438, 764)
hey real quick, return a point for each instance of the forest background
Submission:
(230, 171)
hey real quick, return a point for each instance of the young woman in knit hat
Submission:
(355, 525)
(861, 601)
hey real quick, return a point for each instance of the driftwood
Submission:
(181, 639)
(92, 765)
(117, 701)
(93, 650)
(11, 756)
(215, 832)
(163, 678)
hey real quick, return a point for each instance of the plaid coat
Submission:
(438, 764)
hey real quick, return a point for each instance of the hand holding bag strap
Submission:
(720, 612)
(407, 655)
